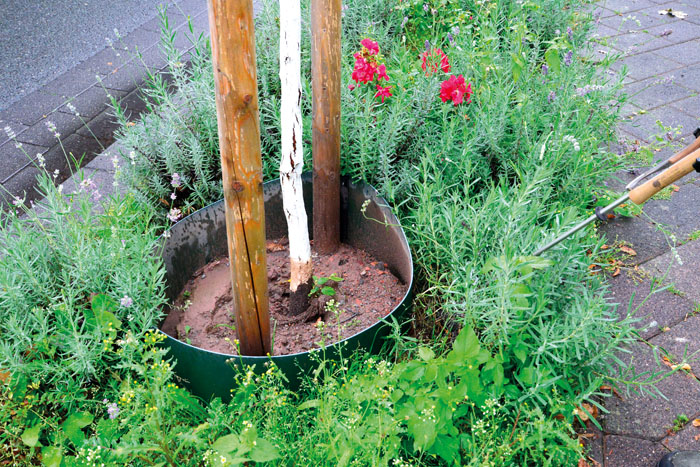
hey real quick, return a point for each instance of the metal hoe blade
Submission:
(607, 209)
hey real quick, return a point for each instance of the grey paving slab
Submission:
(647, 240)
(622, 451)
(102, 127)
(688, 77)
(650, 16)
(92, 101)
(41, 40)
(626, 6)
(39, 134)
(32, 107)
(650, 417)
(691, 105)
(685, 53)
(175, 17)
(653, 92)
(680, 31)
(637, 42)
(644, 126)
(16, 127)
(134, 104)
(648, 64)
(684, 276)
(13, 158)
(655, 308)
(125, 78)
(688, 439)
(679, 214)
(682, 343)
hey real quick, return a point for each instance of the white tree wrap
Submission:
(292, 162)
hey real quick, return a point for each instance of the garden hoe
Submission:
(673, 169)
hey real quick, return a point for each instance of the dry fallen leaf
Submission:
(683, 366)
(673, 13)
(616, 272)
(628, 250)
(696, 437)
(696, 422)
(586, 409)
(675, 188)
(582, 463)
(605, 247)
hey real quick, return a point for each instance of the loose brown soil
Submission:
(203, 316)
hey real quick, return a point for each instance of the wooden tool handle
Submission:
(695, 145)
(677, 171)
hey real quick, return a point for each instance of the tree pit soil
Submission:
(203, 315)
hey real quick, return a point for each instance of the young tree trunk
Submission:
(235, 76)
(325, 78)
(292, 162)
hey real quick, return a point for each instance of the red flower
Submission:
(381, 73)
(371, 46)
(383, 92)
(364, 71)
(433, 60)
(351, 86)
(454, 89)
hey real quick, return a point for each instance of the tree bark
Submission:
(235, 76)
(292, 162)
(325, 71)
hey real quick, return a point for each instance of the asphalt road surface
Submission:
(41, 39)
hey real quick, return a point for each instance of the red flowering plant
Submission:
(368, 70)
(456, 90)
(434, 60)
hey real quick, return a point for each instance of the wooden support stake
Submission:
(235, 75)
(325, 76)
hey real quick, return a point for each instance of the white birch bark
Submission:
(292, 162)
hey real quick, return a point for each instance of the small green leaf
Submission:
(426, 353)
(51, 456)
(227, 444)
(328, 290)
(552, 58)
(103, 302)
(30, 436)
(264, 451)
(310, 404)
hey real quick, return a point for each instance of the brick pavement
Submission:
(662, 59)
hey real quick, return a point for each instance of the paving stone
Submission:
(648, 64)
(604, 31)
(101, 127)
(688, 77)
(685, 53)
(691, 105)
(16, 127)
(637, 42)
(622, 451)
(593, 445)
(688, 439)
(626, 6)
(105, 62)
(653, 92)
(175, 18)
(125, 78)
(681, 31)
(39, 134)
(650, 17)
(134, 104)
(92, 101)
(683, 276)
(682, 342)
(648, 241)
(644, 126)
(654, 308)
(646, 416)
(14, 159)
(104, 160)
(32, 107)
(678, 214)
